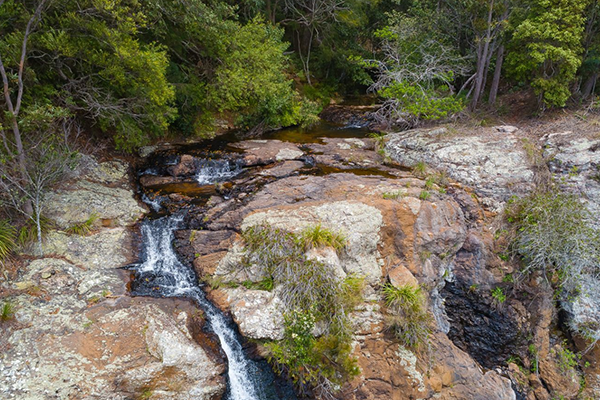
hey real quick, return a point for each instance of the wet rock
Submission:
(284, 169)
(152, 181)
(185, 167)
(489, 334)
(492, 163)
(263, 152)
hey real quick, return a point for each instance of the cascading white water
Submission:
(211, 171)
(174, 279)
(153, 203)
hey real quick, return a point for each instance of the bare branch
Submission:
(30, 27)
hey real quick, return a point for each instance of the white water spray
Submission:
(212, 171)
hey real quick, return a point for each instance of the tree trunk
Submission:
(497, 74)
(482, 56)
(589, 85)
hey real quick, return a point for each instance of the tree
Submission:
(546, 48)
(309, 17)
(415, 75)
(14, 107)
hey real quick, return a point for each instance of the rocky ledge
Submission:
(76, 334)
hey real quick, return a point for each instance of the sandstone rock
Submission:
(74, 206)
(262, 152)
(494, 163)
(284, 169)
(560, 379)
(401, 276)
(257, 313)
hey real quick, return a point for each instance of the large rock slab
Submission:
(493, 163)
(357, 222)
(74, 205)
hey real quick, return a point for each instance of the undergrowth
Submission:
(28, 232)
(312, 296)
(8, 239)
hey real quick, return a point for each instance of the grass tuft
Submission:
(84, 228)
(7, 311)
(316, 236)
(408, 318)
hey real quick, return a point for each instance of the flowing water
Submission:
(160, 273)
(212, 171)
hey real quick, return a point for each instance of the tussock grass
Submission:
(408, 318)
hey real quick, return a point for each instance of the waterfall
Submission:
(212, 171)
(161, 273)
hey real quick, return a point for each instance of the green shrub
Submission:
(554, 236)
(408, 319)
(566, 359)
(311, 362)
(498, 295)
(8, 237)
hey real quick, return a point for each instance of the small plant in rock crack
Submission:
(566, 359)
(393, 195)
(424, 195)
(7, 311)
(84, 228)
(408, 318)
(420, 169)
(498, 295)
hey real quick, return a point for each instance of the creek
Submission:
(161, 272)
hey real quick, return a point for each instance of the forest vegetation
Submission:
(134, 71)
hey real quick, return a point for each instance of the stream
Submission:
(161, 272)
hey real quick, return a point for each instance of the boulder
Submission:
(263, 152)
(258, 313)
(185, 167)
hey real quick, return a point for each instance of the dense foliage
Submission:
(138, 69)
